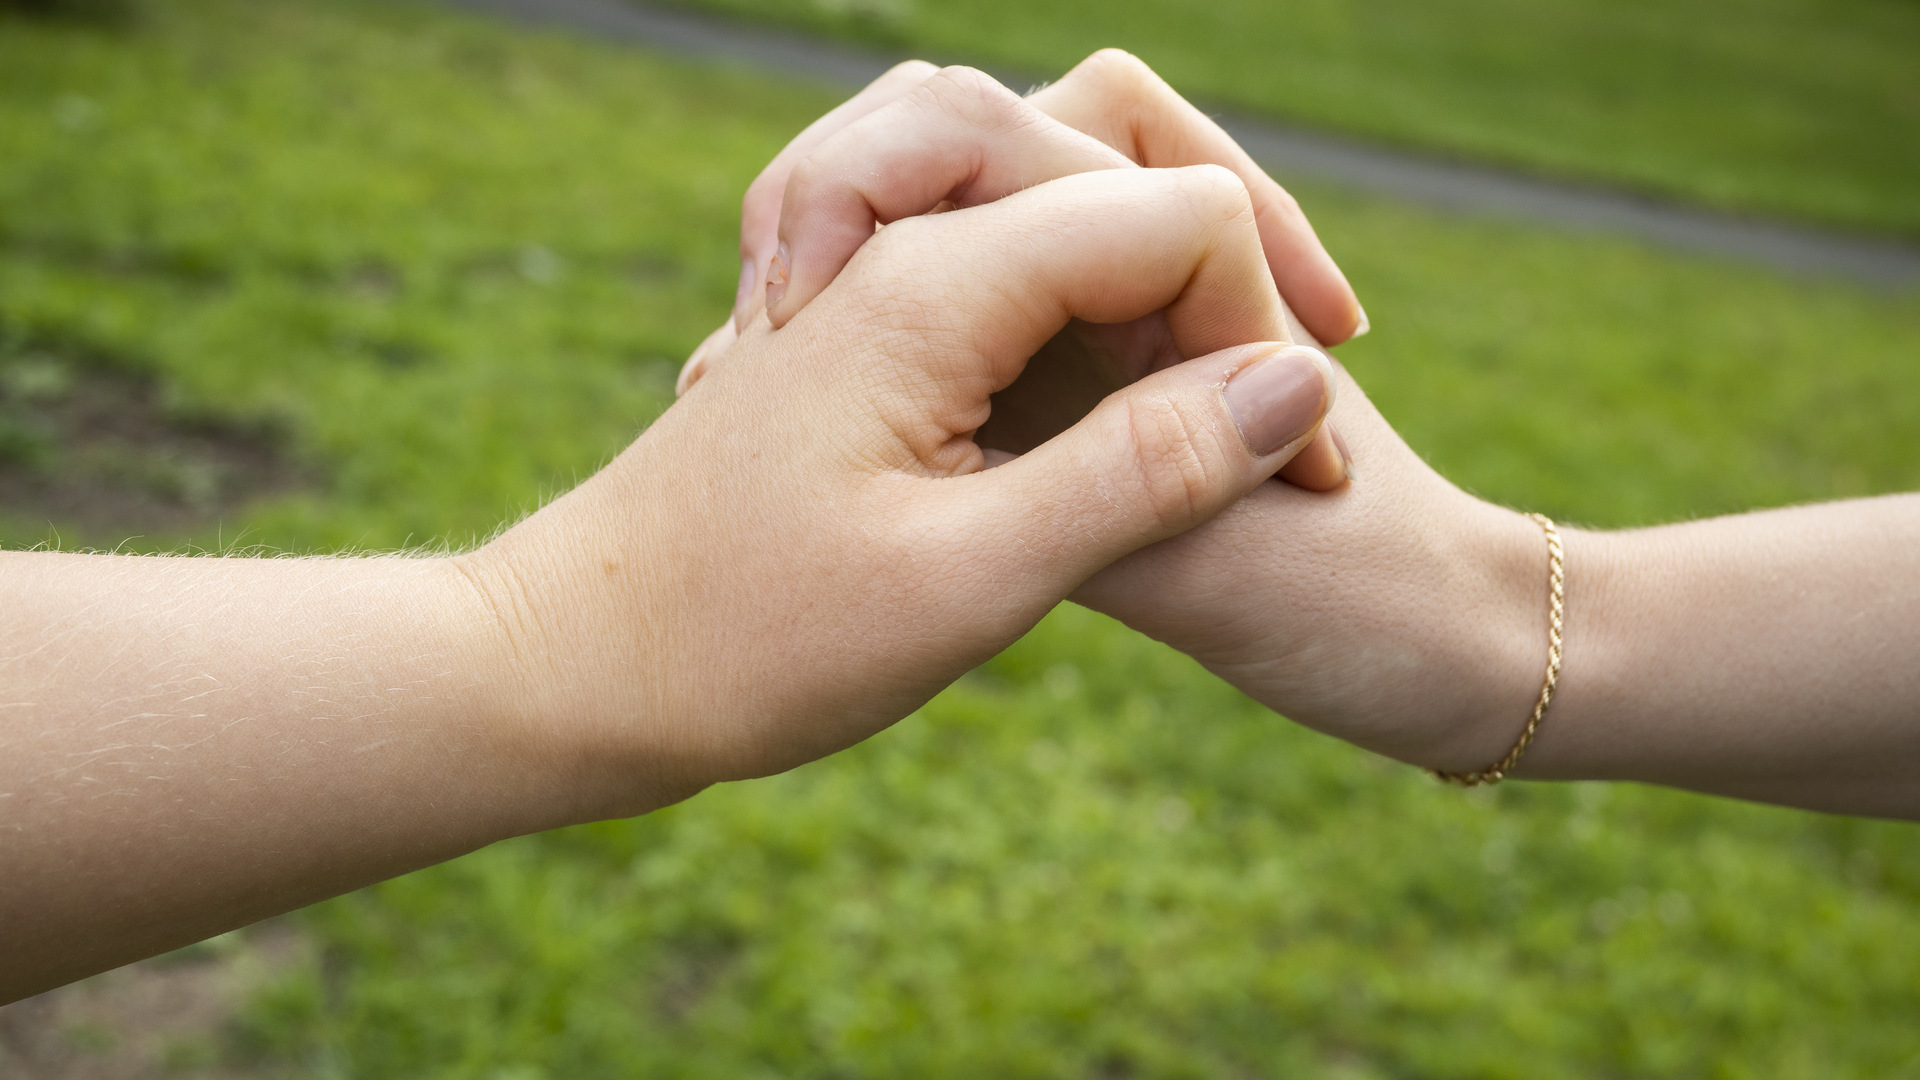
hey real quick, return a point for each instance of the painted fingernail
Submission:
(1340, 444)
(1279, 398)
(1361, 329)
(777, 277)
(744, 293)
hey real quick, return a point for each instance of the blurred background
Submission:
(327, 275)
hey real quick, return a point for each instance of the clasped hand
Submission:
(810, 544)
(981, 361)
(1396, 611)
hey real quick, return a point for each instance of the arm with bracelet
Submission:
(1773, 656)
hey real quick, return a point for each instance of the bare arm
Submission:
(1773, 656)
(763, 578)
(188, 745)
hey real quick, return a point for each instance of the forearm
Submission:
(188, 745)
(1773, 656)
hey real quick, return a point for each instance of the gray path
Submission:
(1291, 152)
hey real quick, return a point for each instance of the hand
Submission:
(1404, 615)
(1398, 613)
(803, 549)
(806, 547)
(930, 138)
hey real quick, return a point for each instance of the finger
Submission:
(1156, 458)
(955, 304)
(703, 356)
(1079, 366)
(1118, 99)
(958, 138)
(760, 209)
(1320, 465)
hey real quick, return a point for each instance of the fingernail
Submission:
(1278, 399)
(1364, 326)
(743, 293)
(1346, 456)
(777, 277)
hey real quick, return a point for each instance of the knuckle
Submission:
(915, 71)
(1119, 68)
(1217, 191)
(970, 91)
(804, 175)
(1216, 181)
(1176, 459)
(1128, 91)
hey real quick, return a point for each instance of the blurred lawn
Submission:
(1804, 107)
(457, 266)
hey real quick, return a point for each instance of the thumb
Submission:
(1156, 458)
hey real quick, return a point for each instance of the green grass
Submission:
(1774, 106)
(456, 267)
(428, 252)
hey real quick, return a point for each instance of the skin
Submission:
(188, 745)
(1771, 656)
(924, 138)
(762, 578)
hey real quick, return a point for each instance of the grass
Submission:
(1790, 107)
(445, 318)
(452, 267)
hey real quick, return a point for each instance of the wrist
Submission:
(1502, 609)
(499, 715)
(578, 653)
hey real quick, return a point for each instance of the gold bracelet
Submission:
(1557, 589)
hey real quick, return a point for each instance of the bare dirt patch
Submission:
(166, 1017)
(95, 447)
